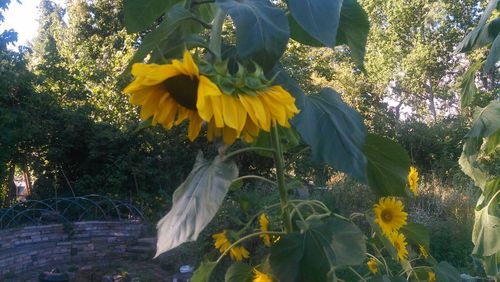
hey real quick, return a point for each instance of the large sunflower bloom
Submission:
(389, 214)
(261, 277)
(222, 243)
(398, 240)
(264, 223)
(413, 180)
(171, 93)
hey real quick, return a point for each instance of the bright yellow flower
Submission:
(389, 214)
(432, 276)
(222, 243)
(175, 92)
(372, 265)
(413, 180)
(423, 251)
(264, 223)
(261, 277)
(398, 240)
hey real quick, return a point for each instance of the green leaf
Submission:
(195, 202)
(289, 138)
(312, 254)
(334, 130)
(468, 161)
(492, 143)
(479, 36)
(485, 120)
(446, 273)
(239, 272)
(388, 165)
(203, 272)
(298, 34)
(493, 56)
(468, 86)
(320, 19)
(491, 264)
(262, 30)
(353, 30)
(487, 223)
(417, 234)
(140, 14)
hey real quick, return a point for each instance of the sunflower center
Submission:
(183, 89)
(386, 216)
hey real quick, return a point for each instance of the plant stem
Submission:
(255, 177)
(216, 33)
(239, 151)
(280, 178)
(245, 238)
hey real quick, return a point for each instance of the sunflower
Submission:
(423, 251)
(264, 223)
(222, 243)
(389, 214)
(432, 276)
(398, 240)
(413, 180)
(372, 265)
(261, 277)
(175, 92)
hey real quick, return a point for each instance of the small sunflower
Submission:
(389, 214)
(413, 180)
(260, 276)
(175, 92)
(222, 243)
(423, 251)
(432, 276)
(372, 265)
(264, 223)
(398, 240)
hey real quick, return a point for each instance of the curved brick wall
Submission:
(32, 247)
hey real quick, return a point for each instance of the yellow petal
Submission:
(194, 126)
(149, 107)
(206, 88)
(276, 109)
(229, 135)
(152, 74)
(255, 108)
(216, 102)
(182, 114)
(187, 66)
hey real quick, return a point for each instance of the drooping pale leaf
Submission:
(491, 265)
(334, 131)
(239, 272)
(417, 234)
(140, 14)
(493, 56)
(388, 165)
(493, 142)
(320, 19)
(468, 161)
(311, 254)
(353, 30)
(446, 272)
(487, 222)
(204, 271)
(485, 120)
(468, 86)
(195, 202)
(262, 30)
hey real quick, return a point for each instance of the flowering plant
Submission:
(185, 71)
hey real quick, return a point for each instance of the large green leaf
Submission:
(481, 35)
(353, 30)
(485, 120)
(468, 161)
(446, 273)
(388, 165)
(416, 234)
(298, 34)
(203, 272)
(195, 202)
(140, 14)
(334, 130)
(468, 86)
(493, 56)
(239, 272)
(262, 30)
(485, 234)
(493, 142)
(312, 254)
(320, 19)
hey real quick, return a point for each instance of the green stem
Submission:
(245, 238)
(239, 151)
(254, 177)
(216, 33)
(280, 178)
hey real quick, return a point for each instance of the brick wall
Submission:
(32, 247)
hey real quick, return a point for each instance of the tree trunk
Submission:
(430, 94)
(11, 186)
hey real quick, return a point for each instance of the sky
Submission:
(23, 18)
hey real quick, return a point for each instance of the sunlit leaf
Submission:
(487, 223)
(203, 272)
(468, 86)
(485, 120)
(239, 272)
(493, 56)
(195, 202)
(416, 234)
